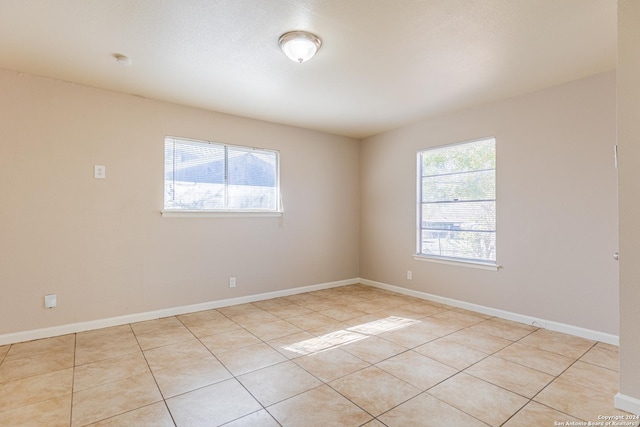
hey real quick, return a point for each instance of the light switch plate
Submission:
(99, 171)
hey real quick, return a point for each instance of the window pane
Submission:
(194, 175)
(252, 179)
(477, 185)
(460, 244)
(457, 201)
(460, 216)
(459, 158)
(210, 176)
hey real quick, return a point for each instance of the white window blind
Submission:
(206, 176)
(457, 202)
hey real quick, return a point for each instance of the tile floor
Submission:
(348, 356)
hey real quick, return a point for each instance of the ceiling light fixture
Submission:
(299, 46)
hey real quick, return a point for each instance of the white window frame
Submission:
(487, 264)
(277, 211)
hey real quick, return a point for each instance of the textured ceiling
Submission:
(383, 63)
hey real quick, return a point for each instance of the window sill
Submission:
(469, 264)
(220, 214)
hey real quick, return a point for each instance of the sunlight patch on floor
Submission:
(349, 335)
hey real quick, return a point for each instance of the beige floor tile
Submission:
(200, 317)
(512, 331)
(299, 298)
(424, 308)
(483, 342)
(331, 364)
(427, 411)
(511, 376)
(603, 357)
(105, 401)
(368, 306)
(478, 398)
(400, 311)
(169, 335)
(4, 349)
(606, 346)
(373, 349)
(461, 319)
(251, 358)
(213, 405)
(272, 303)
(374, 423)
(416, 369)
(338, 338)
(374, 390)
(22, 367)
(156, 325)
(287, 311)
(54, 412)
(105, 371)
(253, 317)
(342, 313)
(313, 321)
(535, 414)
(473, 313)
(30, 390)
(290, 346)
(374, 324)
(581, 402)
(438, 327)
(366, 321)
(317, 304)
(449, 352)
(103, 333)
(592, 376)
(556, 342)
(231, 340)
(532, 357)
(329, 329)
(183, 367)
(41, 347)
(239, 310)
(272, 330)
(411, 336)
(278, 382)
(319, 407)
(95, 346)
(154, 415)
(257, 419)
(212, 327)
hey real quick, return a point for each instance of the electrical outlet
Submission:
(409, 275)
(232, 282)
(50, 301)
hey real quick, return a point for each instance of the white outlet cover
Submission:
(50, 301)
(99, 171)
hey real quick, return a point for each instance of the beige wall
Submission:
(102, 246)
(629, 191)
(556, 206)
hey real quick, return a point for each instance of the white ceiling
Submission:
(383, 63)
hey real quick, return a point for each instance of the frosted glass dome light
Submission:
(299, 46)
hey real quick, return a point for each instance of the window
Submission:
(210, 177)
(457, 202)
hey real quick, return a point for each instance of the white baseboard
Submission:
(627, 403)
(156, 314)
(547, 324)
